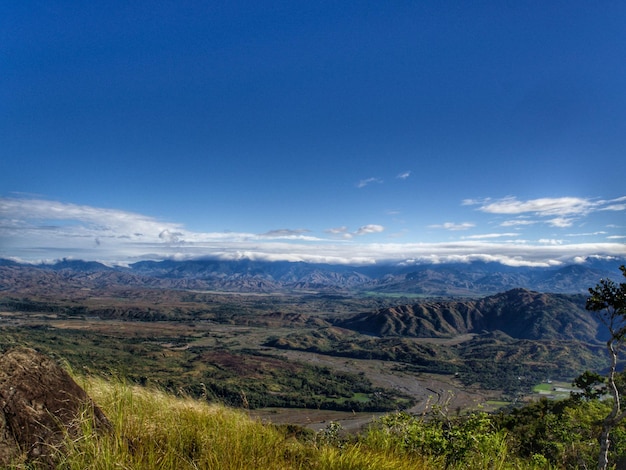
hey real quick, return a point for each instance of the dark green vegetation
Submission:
(545, 433)
(242, 378)
(506, 342)
(608, 303)
(191, 342)
(491, 361)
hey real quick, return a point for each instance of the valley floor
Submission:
(426, 389)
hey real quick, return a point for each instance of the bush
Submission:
(449, 442)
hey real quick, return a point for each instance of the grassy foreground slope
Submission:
(155, 430)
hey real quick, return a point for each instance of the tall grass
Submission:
(154, 430)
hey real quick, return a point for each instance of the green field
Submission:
(556, 390)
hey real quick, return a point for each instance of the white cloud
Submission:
(547, 206)
(517, 222)
(491, 235)
(542, 206)
(404, 175)
(38, 230)
(561, 222)
(560, 212)
(614, 207)
(289, 234)
(550, 241)
(368, 181)
(454, 227)
(371, 228)
(338, 230)
(364, 230)
(587, 234)
(59, 219)
(617, 204)
(170, 237)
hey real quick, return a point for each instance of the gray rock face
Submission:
(39, 404)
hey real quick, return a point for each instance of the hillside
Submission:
(518, 313)
(492, 341)
(152, 429)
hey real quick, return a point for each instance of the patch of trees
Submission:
(543, 434)
(493, 361)
(306, 387)
(608, 302)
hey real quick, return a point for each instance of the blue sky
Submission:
(318, 131)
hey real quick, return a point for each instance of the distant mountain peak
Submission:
(435, 280)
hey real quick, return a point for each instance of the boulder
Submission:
(40, 404)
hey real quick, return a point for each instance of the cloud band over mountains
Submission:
(43, 230)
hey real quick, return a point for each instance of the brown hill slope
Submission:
(427, 319)
(519, 313)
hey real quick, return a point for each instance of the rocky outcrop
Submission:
(40, 404)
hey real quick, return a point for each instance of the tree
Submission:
(591, 384)
(608, 302)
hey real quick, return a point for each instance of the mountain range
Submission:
(488, 323)
(429, 280)
(518, 313)
(492, 340)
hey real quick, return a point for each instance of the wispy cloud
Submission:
(561, 222)
(288, 234)
(560, 212)
(517, 223)
(80, 221)
(364, 230)
(486, 236)
(560, 206)
(368, 181)
(550, 241)
(586, 234)
(337, 230)
(404, 175)
(39, 230)
(371, 228)
(614, 207)
(542, 206)
(473, 202)
(454, 226)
